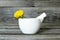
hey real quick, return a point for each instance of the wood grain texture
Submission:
(15, 25)
(30, 37)
(16, 3)
(9, 29)
(46, 4)
(48, 0)
(12, 28)
(13, 0)
(42, 31)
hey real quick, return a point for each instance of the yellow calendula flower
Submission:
(18, 13)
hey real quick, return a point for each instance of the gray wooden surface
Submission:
(9, 29)
(29, 37)
(16, 3)
(29, 3)
(46, 28)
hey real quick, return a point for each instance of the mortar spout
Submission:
(42, 16)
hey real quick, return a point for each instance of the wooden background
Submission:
(50, 28)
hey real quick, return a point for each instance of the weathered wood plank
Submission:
(13, 0)
(48, 0)
(50, 26)
(43, 31)
(53, 9)
(7, 13)
(8, 23)
(10, 10)
(33, 0)
(46, 4)
(41, 0)
(9, 27)
(49, 31)
(16, 3)
(16, 26)
(28, 11)
(30, 37)
(10, 31)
